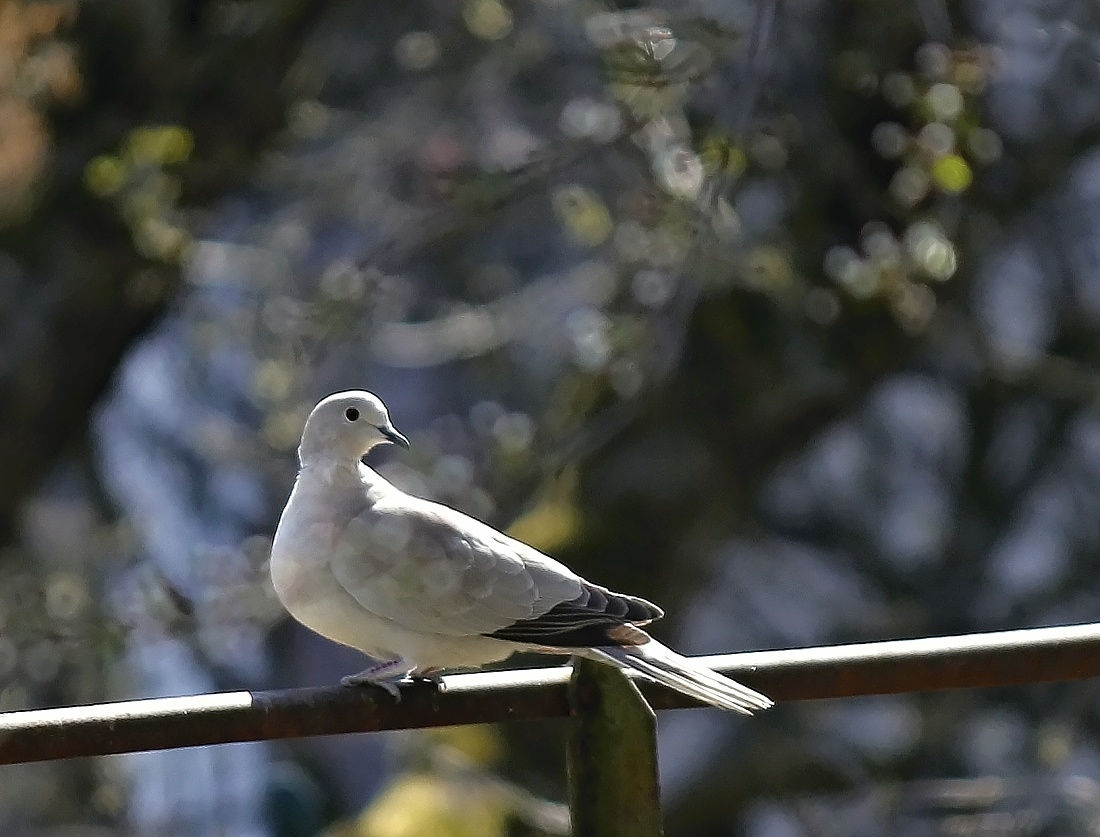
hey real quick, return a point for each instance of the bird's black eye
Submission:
(351, 414)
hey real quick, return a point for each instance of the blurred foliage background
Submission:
(784, 314)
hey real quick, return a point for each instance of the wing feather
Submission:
(595, 617)
(432, 569)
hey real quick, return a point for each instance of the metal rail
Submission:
(973, 661)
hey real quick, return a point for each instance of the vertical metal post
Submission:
(614, 790)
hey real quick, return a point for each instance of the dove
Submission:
(422, 588)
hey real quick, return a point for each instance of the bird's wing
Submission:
(432, 569)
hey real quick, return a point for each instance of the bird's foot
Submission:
(386, 674)
(432, 675)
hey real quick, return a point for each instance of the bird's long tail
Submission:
(664, 665)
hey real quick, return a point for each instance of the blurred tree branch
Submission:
(72, 311)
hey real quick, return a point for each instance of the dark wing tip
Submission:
(648, 612)
(631, 609)
(596, 617)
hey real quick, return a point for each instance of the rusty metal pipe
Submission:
(973, 661)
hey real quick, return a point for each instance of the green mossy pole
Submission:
(612, 756)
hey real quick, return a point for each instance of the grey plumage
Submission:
(423, 587)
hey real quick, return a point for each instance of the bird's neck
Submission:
(332, 471)
(339, 472)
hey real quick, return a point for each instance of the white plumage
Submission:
(422, 587)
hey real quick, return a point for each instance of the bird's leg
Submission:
(386, 674)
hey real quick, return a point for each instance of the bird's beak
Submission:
(395, 436)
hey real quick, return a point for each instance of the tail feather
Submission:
(664, 665)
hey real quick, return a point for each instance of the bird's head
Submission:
(346, 425)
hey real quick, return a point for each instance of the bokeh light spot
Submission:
(952, 173)
(489, 20)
